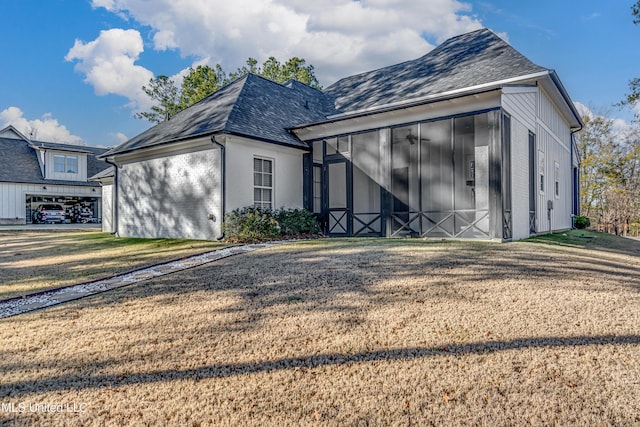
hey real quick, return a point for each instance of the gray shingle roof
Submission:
(20, 162)
(251, 106)
(259, 108)
(468, 60)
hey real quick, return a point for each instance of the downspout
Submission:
(115, 196)
(223, 173)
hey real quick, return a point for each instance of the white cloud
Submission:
(339, 37)
(120, 137)
(619, 126)
(583, 110)
(108, 64)
(44, 129)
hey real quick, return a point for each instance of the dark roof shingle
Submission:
(465, 61)
(259, 108)
(20, 162)
(251, 106)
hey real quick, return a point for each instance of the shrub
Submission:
(255, 224)
(249, 223)
(581, 222)
(297, 221)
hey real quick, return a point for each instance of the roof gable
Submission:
(465, 61)
(12, 133)
(20, 161)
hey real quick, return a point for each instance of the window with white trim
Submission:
(556, 176)
(541, 171)
(65, 164)
(262, 183)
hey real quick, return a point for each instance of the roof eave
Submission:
(565, 95)
(457, 93)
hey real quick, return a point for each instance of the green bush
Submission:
(249, 223)
(296, 221)
(255, 224)
(581, 222)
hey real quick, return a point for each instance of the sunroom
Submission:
(440, 177)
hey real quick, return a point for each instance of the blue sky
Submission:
(72, 69)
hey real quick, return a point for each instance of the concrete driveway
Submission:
(52, 227)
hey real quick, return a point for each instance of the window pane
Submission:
(58, 163)
(267, 180)
(257, 179)
(337, 185)
(257, 165)
(72, 164)
(464, 163)
(365, 151)
(332, 146)
(266, 166)
(317, 189)
(343, 144)
(317, 152)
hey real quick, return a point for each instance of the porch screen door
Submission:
(338, 197)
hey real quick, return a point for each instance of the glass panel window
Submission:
(58, 163)
(263, 183)
(65, 164)
(557, 179)
(541, 170)
(71, 164)
(317, 189)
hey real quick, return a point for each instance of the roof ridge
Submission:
(431, 52)
(234, 110)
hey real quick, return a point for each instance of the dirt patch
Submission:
(36, 261)
(345, 331)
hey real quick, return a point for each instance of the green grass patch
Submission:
(37, 261)
(589, 240)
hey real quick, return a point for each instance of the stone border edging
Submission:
(19, 305)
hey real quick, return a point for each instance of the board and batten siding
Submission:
(553, 138)
(171, 195)
(287, 173)
(520, 102)
(13, 197)
(532, 110)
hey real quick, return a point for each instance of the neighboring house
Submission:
(470, 141)
(35, 173)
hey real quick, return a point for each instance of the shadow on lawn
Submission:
(77, 382)
(342, 280)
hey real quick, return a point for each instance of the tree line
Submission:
(204, 80)
(610, 166)
(610, 175)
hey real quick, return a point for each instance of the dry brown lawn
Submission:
(345, 332)
(37, 261)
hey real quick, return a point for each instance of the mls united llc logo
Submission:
(22, 407)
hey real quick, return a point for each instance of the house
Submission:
(470, 141)
(35, 173)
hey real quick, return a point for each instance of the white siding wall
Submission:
(520, 179)
(531, 109)
(107, 208)
(553, 139)
(287, 177)
(171, 196)
(520, 103)
(13, 197)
